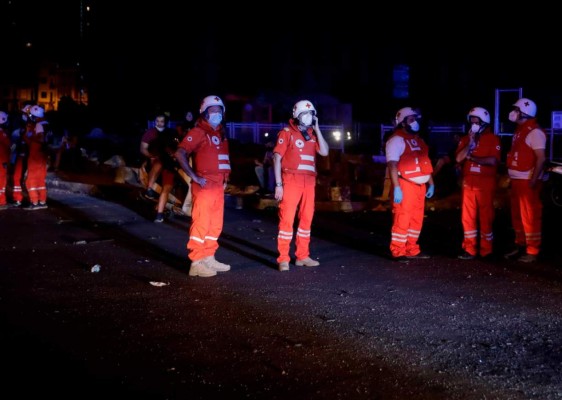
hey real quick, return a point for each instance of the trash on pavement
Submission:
(159, 284)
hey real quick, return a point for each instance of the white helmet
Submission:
(37, 111)
(302, 106)
(210, 101)
(526, 106)
(479, 112)
(3, 117)
(405, 113)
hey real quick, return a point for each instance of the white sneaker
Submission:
(307, 262)
(216, 265)
(283, 266)
(200, 268)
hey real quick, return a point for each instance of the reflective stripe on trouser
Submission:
(36, 181)
(17, 192)
(296, 188)
(3, 182)
(478, 211)
(526, 214)
(207, 220)
(407, 220)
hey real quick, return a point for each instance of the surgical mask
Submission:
(306, 119)
(513, 116)
(215, 119)
(475, 128)
(160, 129)
(415, 126)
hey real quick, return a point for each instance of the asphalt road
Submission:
(359, 326)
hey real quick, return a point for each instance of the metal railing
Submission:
(441, 137)
(261, 133)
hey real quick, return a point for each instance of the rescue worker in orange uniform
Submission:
(294, 164)
(5, 150)
(38, 158)
(479, 153)
(525, 163)
(410, 171)
(20, 152)
(208, 145)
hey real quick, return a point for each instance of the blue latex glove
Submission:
(397, 194)
(430, 191)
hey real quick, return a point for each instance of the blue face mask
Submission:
(415, 126)
(215, 119)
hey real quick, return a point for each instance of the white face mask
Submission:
(415, 126)
(513, 116)
(306, 119)
(160, 128)
(475, 128)
(215, 119)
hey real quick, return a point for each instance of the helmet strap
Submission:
(305, 134)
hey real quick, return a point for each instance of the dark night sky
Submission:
(164, 55)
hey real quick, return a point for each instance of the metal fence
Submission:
(440, 137)
(365, 138)
(261, 133)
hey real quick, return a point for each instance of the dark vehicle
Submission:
(554, 187)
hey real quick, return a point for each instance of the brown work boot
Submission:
(283, 266)
(216, 265)
(200, 268)
(307, 262)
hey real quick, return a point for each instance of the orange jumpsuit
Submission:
(414, 169)
(298, 172)
(210, 161)
(36, 179)
(526, 205)
(478, 189)
(5, 144)
(20, 161)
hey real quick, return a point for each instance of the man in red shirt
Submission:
(148, 142)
